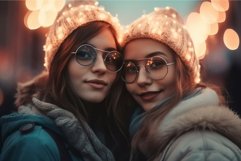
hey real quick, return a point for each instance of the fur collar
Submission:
(214, 118)
(198, 98)
(195, 114)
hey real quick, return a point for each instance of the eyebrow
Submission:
(155, 53)
(105, 49)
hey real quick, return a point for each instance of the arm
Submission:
(202, 146)
(35, 146)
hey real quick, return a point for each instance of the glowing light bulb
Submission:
(156, 9)
(188, 57)
(197, 80)
(174, 15)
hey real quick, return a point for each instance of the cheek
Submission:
(75, 74)
(72, 70)
(170, 81)
(171, 76)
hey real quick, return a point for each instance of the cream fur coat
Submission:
(197, 129)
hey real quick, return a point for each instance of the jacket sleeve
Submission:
(201, 146)
(36, 145)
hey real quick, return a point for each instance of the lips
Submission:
(149, 96)
(96, 83)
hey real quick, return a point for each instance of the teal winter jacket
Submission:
(24, 137)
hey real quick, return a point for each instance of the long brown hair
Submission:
(57, 89)
(145, 140)
(54, 87)
(152, 119)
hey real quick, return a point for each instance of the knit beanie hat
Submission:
(166, 26)
(72, 16)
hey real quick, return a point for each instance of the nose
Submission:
(143, 78)
(99, 65)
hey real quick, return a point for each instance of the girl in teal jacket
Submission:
(177, 117)
(72, 104)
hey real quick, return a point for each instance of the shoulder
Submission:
(205, 145)
(32, 142)
(218, 119)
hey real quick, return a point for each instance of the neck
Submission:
(90, 106)
(94, 110)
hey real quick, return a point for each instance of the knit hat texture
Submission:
(74, 15)
(166, 26)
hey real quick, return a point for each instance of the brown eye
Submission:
(130, 67)
(85, 55)
(156, 63)
(113, 60)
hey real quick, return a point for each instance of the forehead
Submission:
(141, 48)
(104, 39)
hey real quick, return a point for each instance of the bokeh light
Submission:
(206, 23)
(200, 50)
(213, 29)
(42, 12)
(32, 20)
(197, 27)
(220, 5)
(209, 14)
(58, 4)
(46, 17)
(231, 39)
(33, 5)
(221, 17)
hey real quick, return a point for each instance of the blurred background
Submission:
(214, 25)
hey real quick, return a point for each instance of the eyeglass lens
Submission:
(156, 68)
(86, 56)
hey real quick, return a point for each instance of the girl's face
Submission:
(93, 82)
(155, 81)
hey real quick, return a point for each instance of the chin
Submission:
(94, 99)
(148, 106)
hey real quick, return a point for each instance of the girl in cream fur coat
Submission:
(177, 117)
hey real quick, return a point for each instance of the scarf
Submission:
(139, 114)
(78, 133)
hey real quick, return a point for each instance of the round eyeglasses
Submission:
(86, 54)
(156, 68)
